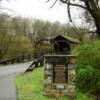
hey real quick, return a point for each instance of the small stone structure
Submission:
(59, 70)
(59, 75)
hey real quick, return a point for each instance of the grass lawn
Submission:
(30, 87)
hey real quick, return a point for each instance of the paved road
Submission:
(7, 80)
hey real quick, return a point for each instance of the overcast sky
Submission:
(41, 10)
(38, 9)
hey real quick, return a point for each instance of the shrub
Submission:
(88, 67)
(89, 54)
(85, 78)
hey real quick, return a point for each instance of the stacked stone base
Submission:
(60, 90)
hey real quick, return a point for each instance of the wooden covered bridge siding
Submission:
(36, 63)
(20, 58)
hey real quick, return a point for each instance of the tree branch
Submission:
(69, 13)
(73, 4)
(47, 1)
(53, 3)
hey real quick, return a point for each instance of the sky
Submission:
(38, 9)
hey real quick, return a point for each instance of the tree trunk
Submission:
(96, 16)
(94, 10)
(97, 23)
(95, 13)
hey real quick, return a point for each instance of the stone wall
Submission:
(59, 89)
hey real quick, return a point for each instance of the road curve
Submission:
(7, 80)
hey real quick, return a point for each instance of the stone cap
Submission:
(59, 55)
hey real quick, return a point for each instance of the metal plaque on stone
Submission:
(60, 74)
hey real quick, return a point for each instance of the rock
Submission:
(49, 87)
(60, 86)
(71, 87)
(58, 91)
(72, 61)
(48, 72)
(48, 77)
(72, 72)
(48, 66)
(48, 81)
(57, 95)
(49, 94)
(65, 92)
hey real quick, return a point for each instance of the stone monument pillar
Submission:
(59, 74)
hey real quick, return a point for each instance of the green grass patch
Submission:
(30, 87)
(84, 96)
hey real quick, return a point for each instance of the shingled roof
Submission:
(71, 40)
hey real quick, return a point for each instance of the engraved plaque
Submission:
(60, 74)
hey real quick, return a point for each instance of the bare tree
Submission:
(90, 6)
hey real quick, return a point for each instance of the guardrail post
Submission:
(36, 64)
